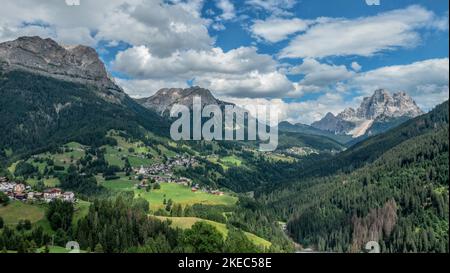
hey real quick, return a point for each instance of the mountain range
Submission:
(391, 186)
(378, 109)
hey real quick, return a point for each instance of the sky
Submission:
(307, 57)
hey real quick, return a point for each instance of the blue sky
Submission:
(308, 57)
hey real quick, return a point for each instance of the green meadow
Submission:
(16, 211)
(187, 222)
(182, 195)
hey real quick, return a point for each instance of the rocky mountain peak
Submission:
(78, 63)
(380, 107)
(347, 114)
(165, 98)
(333, 124)
(382, 104)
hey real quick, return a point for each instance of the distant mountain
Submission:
(333, 124)
(286, 126)
(164, 99)
(52, 94)
(370, 149)
(375, 115)
(381, 189)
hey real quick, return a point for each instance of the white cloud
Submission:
(241, 71)
(170, 44)
(146, 88)
(218, 26)
(319, 74)
(426, 81)
(163, 27)
(277, 29)
(139, 62)
(251, 84)
(228, 11)
(304, 112)
(363, 36)
(356, 66)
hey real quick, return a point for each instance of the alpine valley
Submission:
(80, 160)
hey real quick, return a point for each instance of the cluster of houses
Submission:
(162, 173)
(22, 192)
(144, 183)
(166, 168)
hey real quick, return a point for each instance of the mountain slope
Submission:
(39, 111)
(376, 114)
(369, 150)
(399, 197)
(163, 100)
(309, 130)
(51, 95)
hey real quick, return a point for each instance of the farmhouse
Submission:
(68, 196)
(52, 194)
(7, 186)
(19, 188)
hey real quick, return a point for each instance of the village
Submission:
(163, 173)
(21, 192)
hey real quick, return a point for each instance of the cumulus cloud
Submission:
(252, 84)
(320, 74)
(356, 66)
(426, 81)
(277, 29)
(241, 71)
(228, 10)
(305, 112)
(165, 27)
(169, 44)
(139, 62)
(363, 36)
(146, 88)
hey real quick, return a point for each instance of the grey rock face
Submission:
(382, 104)
(79, 63)
(164, 99)
(379, 107)
(333, 124)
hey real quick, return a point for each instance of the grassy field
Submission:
(65, 159)
(231, 160)
(121, 184)
(182, 195)
(50, 182)
(17, 210)
(178, 193)
(81, 210)
(187, 222)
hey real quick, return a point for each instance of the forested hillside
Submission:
(40, 112)
(400, 200)
(371, 149)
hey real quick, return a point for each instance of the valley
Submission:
(80, 160)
